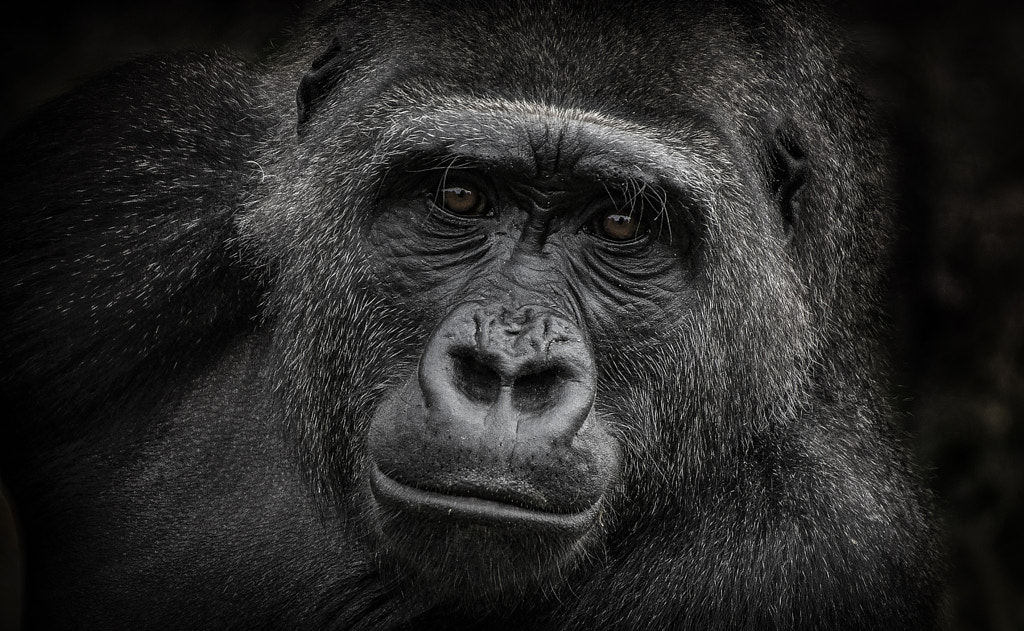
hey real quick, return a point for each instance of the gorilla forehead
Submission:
(567, 35)
(636, 60)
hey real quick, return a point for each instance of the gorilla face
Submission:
(549, 299)
(498, 426)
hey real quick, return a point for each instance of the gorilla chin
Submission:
(474, 551)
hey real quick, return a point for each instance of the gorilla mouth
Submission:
(394, 495)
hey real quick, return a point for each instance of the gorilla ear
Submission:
(327, 69)
(787, 170)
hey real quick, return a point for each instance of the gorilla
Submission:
(529, 315)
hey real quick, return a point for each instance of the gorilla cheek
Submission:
(496, 435)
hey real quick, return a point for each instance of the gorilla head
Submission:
(539, 315)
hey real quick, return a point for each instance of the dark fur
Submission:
(206, 302)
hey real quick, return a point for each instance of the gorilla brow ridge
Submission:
(444, 135)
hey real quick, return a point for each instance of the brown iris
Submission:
(461, 200)
(619, 227)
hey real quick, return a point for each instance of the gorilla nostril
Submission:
(537, 391)
(477, 381)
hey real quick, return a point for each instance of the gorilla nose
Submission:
(525, 371)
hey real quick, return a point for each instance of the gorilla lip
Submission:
(392, 494)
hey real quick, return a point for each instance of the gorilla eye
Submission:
(618, 227)
(461, 200)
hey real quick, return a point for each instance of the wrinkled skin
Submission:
(531, 316)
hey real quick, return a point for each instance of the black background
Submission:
(949, 79)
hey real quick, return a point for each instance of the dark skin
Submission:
(501, 408)
(534, 316)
